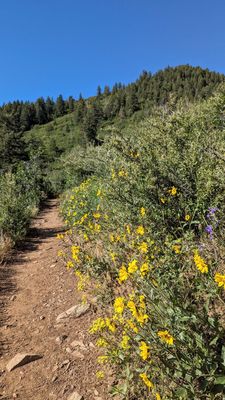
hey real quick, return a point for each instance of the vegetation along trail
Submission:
(35, 289)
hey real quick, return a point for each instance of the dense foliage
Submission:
(147, 226)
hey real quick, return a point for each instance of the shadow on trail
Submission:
(35, 236)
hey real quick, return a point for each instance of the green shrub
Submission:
(149, 226)
(20, 196)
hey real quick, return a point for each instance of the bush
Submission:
(149, 227)
(20, 196)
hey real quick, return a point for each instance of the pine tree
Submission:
(99, 91)
(60, 106)
(41, 112)
(106, 91)
(71, 103)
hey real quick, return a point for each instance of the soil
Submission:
(35, 287)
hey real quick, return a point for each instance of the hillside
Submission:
(112, 109)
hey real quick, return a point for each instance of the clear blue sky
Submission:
(50, 47)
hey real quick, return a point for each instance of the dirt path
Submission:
(34, 289)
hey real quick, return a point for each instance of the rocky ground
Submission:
(35, 288)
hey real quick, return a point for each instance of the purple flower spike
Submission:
(211, 212)
(209, 230)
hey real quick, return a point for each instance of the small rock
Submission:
(68, 350)
(52, 266)
(73, 312)
(42, 317)
(96, 392)
(61, 339)
(78, 343)
(75, 396)
(21, 359)
(66, 362)
(78, 355)
(54, 378)
(13, 297)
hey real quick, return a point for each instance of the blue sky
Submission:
(50, 47)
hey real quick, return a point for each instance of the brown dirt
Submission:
(34, 288)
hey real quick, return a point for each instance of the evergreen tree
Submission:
(71, 103)
(106, 91)
(99, 91)
(50, 108)
(60, 106)
(41, 112)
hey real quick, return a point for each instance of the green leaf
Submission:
(220, 380)
(181, 393)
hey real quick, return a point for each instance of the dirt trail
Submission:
(34, 289)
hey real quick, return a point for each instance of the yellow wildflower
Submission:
(101, 343)
(200, 263)
(163, 200)
(128, 229)
(125, 342)
(220, 280)
(75, 251)
(113, 175)
(142, 211)
(111, 237)
(99, 192)
(173, 191)
(97, 325)
(147, 382)
(60, 236)
(119, 305)
(143, 247)
(187, 217)
(166, 337)
(123, 274)
(142, 302)
(144, 269)
(144, 351)
(122, 173)
(176, 248)
(110, 325)
(113, 256)
(132, 326)
(132, 266)
(100, 374)
(157, 396)
(69, 264)
(141, 318)
(102, 359)
(132, 307)
(96, 215)
(140, 230)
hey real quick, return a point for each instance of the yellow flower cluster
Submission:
(166, 337)
(172, 191)
(144, 350)
(119, 305)
(220, 280)
(200, 263)
(146, 381)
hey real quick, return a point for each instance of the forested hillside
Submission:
(38, 140)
